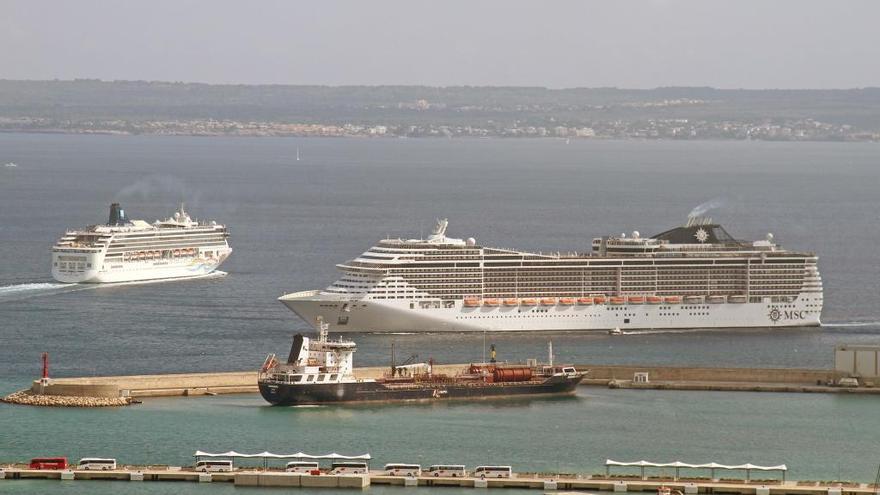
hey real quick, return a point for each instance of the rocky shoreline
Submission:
(28, 398)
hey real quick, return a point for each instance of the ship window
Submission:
(297, 378)
(310, 378)
(333, 377)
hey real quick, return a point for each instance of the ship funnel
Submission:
(117, 215)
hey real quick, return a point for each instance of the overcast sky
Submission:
(585, 43)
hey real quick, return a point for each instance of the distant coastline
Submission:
(187, 109)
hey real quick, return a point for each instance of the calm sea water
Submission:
(291, 221)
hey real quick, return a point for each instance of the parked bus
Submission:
(218, 465)
(403, 469)
(97, 464)
(349, 467)
(484, 472)
(447, 471)
(302, 467)
(48, 463)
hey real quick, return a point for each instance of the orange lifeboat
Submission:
(142, 255)
(585, 301)
(672, 299)
(636, 299)
(490, 302)
(471, 302)
(654, 299)
(548, 301)
(528, 302)
(566, 301)
(599, 300)
(510, 302)
(617, 300)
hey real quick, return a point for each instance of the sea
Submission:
(292, 220)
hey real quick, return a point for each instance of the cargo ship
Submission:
(320, 371)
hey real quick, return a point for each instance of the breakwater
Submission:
(538, 481)
(119, 390)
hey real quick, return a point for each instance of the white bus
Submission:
(447, 470)
(484, 472)
(349, 467)
(219, 465)
(301, 467)
(403, 469)
(97, 464)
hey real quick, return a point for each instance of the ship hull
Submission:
(137, 271)
(410, 316)
(285, 394)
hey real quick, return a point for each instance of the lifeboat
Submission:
(736, 299)
(672, 299)
(715, 299)
(566, 301)
(142, 255)
(471, 303)
(490, 302)
(636, 299)
(585, 301)
(599, 300)
(548, 301)
(693, 299)
(617, 300)
(653, 300)
(510, 302)
(176, 253)
(528, 302)
(157, 255)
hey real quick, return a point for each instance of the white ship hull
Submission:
(137, 271)
(409, 316)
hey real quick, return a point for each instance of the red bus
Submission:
(48, 463)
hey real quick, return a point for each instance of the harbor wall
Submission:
(669, 377)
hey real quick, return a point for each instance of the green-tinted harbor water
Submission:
(818, 436)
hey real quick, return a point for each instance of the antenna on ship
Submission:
(322, 329)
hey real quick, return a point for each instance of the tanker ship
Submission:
(321, 372)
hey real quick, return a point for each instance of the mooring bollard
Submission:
(691, 489)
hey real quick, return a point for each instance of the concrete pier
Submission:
(110, 388)
(270, 478)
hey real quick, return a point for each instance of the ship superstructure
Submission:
(693, 276)
(133, 250)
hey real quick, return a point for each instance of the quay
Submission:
(120, 390)
(658, 377)
(543, 481)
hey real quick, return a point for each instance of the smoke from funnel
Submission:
(703, 208)
(160, 188)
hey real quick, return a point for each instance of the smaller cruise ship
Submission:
(126, 250)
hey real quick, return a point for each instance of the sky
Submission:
(585, 43)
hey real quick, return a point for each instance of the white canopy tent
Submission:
(269, 455)
(712, 466)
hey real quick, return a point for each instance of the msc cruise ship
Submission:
(693, 276)
(126, 251)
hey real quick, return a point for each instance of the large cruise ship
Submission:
(693, 276)
(134, 250)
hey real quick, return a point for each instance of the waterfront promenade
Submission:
(538, 481)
